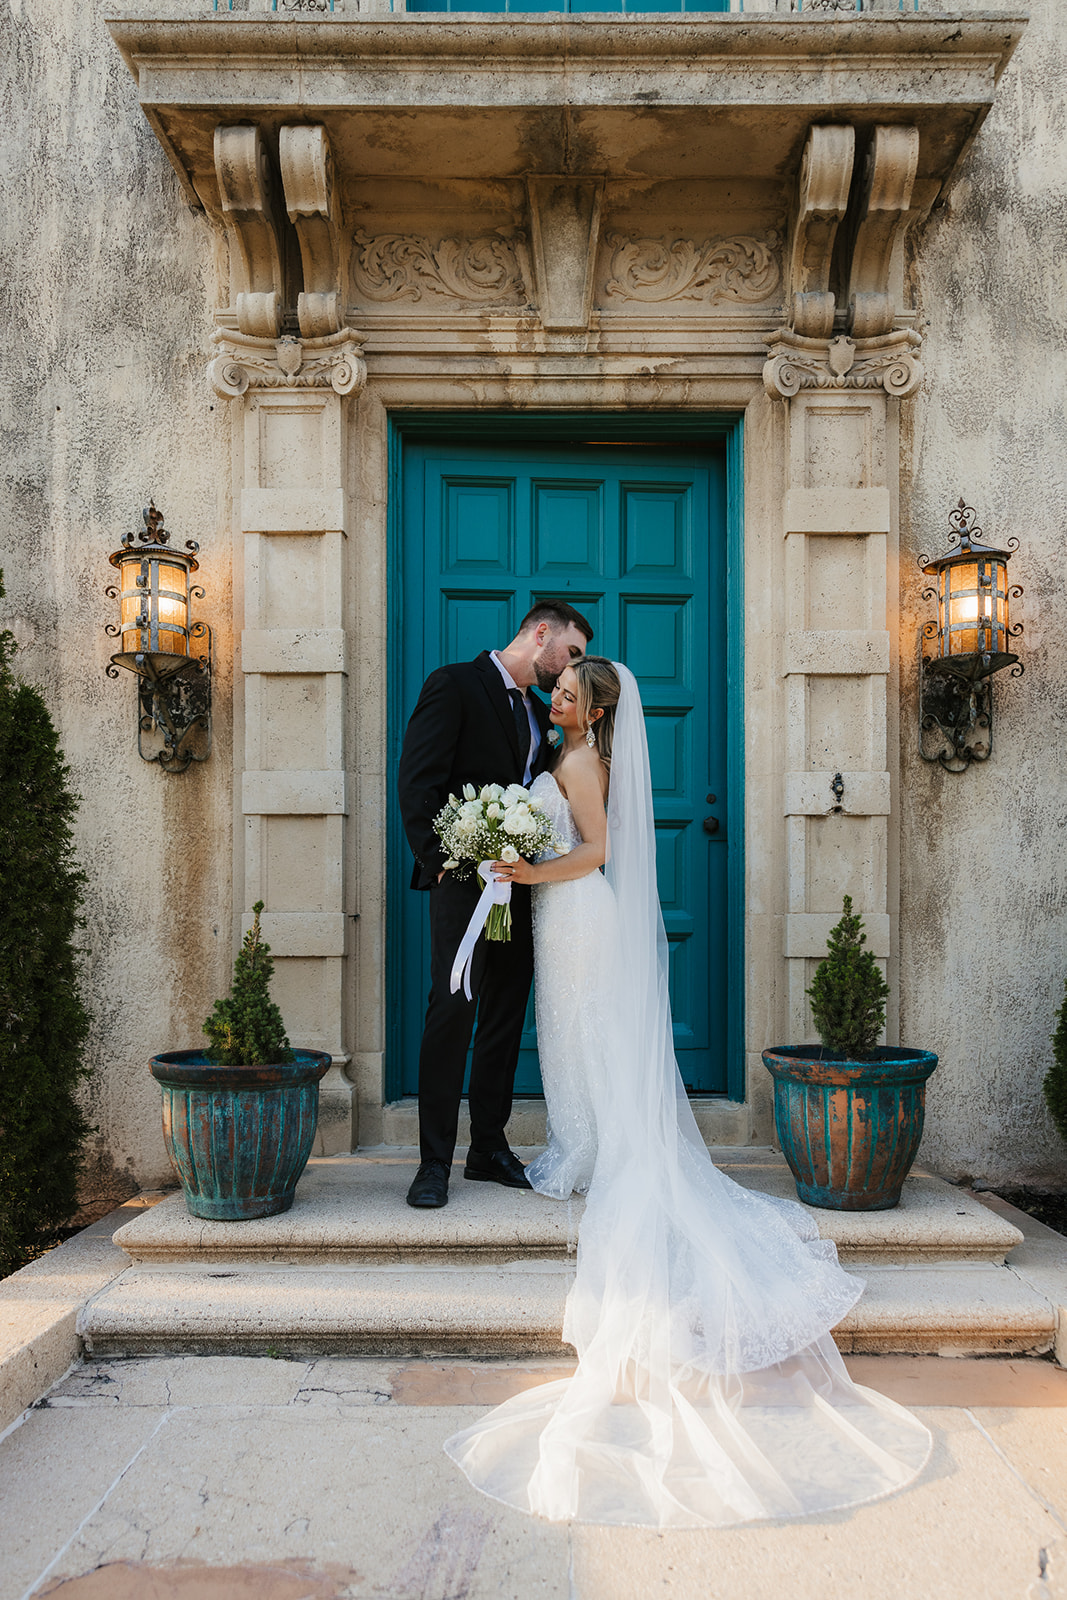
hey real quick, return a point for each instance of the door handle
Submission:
(711, 824)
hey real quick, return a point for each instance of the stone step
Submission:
(350, 1210)
(503, 1309)
(353, 1269)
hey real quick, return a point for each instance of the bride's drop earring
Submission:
(590, 737)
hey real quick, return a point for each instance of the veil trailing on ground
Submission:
(708, 1390)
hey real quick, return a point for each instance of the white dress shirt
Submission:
(535, 730)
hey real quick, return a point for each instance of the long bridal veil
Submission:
(708, 1390)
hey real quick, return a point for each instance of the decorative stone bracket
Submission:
(255, 226)
(243, 362)
(870, 355)
(564, 231)
(889, 362)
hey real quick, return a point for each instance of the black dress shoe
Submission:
(429, 1187)
(500, 1167)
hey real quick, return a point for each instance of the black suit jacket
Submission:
(461, 731)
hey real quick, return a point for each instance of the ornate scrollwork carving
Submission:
(402, 266)
(822, 199)
(890, 362)
(741, 269)
(334, 363)
(247, 190)
(311, 202)
(888, 179)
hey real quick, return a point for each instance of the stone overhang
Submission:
(621, 96)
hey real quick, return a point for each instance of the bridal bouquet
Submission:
(494, 824)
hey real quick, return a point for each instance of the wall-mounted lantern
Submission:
(170, 654)
(973, 634)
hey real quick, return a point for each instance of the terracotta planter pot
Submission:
(239, 1137)
(849, 1129)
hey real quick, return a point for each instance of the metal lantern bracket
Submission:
(173, 687)
(956, 688)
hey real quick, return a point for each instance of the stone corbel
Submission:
(889, 361)
(311, 200)
(888, 179)
(244, 362)
(246, 190)
(825, 176)
(564, 232)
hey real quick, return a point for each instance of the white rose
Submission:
(514, 793)
(513, 822)
(509, 853)
(466, 826)
(535, 805)
(469, 792)
(495, 792)
(563, 848)
(494, 812)
(450, 865)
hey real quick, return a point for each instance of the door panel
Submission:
(635, 538)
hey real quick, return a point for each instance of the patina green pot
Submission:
(239, 1137)
(849, 1130)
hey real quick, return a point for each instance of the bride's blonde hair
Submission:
(598, 689)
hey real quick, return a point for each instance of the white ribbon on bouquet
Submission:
(495, 893)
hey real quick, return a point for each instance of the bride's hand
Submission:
(514, 871)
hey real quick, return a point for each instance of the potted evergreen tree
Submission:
(239, 1118)
(849, 1114)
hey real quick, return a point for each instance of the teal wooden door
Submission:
(634, 535)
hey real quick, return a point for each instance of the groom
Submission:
(475, 723)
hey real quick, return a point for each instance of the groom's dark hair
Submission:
(559, 613)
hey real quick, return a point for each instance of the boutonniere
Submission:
(555, 737)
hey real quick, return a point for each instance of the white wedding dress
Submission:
(708, 1391)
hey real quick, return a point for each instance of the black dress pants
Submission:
(500, 983)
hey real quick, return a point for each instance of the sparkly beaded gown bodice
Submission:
(575, 954)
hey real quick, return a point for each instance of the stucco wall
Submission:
(106, 288)
(984, 855)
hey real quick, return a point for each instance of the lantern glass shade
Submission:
(972, 614)
(153, 611)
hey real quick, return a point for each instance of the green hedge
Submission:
(1056, 1077)
(43, 1023)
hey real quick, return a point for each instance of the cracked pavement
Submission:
(217, 1478)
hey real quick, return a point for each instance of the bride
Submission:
(708, 1390)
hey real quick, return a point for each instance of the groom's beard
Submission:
(546, 680)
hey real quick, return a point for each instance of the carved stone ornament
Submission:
(246, 188)
(402, 266)
(888, 179)
(739, 269)
(564, 228)
(311, 202)
(890, 362)
(822, 199)
(246, 363)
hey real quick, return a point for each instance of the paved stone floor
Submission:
(221, 1478)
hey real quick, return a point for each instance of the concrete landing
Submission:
(353, 1270)
(197, 1478)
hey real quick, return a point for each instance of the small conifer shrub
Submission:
(246, 1029)
(43, 1022)
(1056, 1076)
(848, 993)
